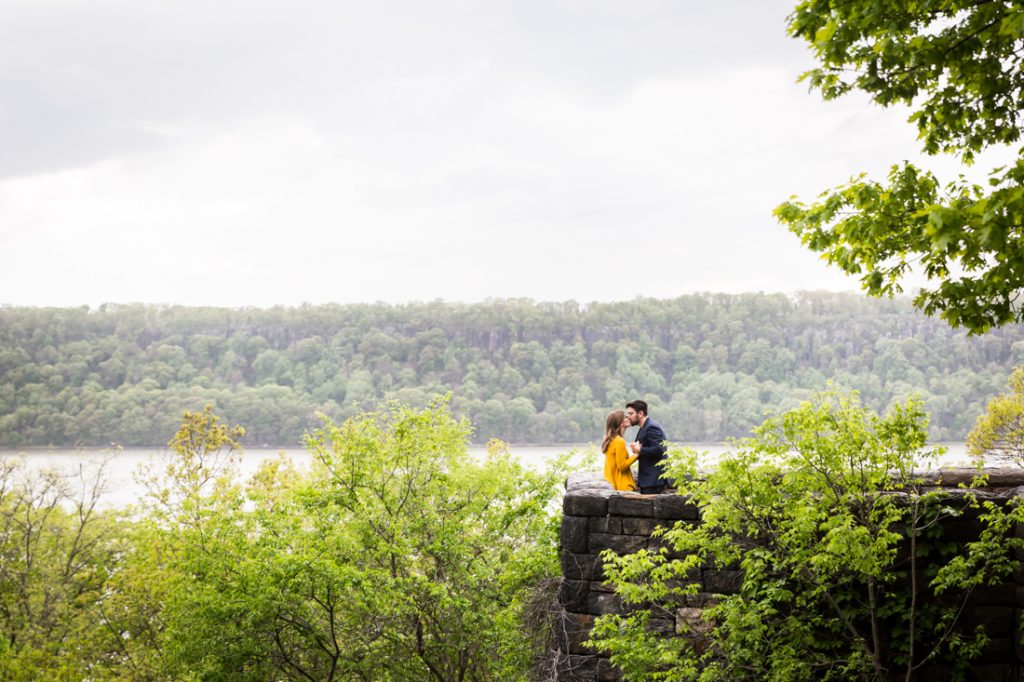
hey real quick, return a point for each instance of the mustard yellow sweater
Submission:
(616, 465)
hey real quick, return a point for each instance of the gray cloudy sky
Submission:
(258, 153)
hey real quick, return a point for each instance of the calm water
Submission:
(121, 470)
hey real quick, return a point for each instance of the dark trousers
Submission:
(653, 490)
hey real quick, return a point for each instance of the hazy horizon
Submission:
(263, 154)
(792, 295)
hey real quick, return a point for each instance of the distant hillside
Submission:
(709, 364)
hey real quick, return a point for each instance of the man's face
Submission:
(632, 416)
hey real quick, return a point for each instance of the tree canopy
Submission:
(999, 432)
(396, 556)
(710, 365)
(957, 64)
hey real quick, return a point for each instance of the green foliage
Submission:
(999, 432)
(711, 365)
(398, 557)
(958, 66)
(57, 555)
(447, 545)
(845, 571)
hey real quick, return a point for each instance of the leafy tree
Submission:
(958, 65)
(1000, 431)
(58, 552)
(203, 456)
(398, 557)
(447, 546)
(813, 510)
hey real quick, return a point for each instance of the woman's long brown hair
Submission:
(611, 427)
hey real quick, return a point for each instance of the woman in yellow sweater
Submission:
(616, 460)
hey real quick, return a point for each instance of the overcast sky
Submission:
(259, 153)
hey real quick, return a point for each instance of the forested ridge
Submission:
(710, 365)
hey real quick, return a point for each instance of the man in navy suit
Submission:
(650, 446)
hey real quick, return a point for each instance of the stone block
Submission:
(712, 562)
(998, 650)
(582, 480)
(607, 672)
(962, 530)
(581, 566)
(1004, 477)
(1018, 574)
(984, 672)
(702, 600)
(601, 603)
(586, 503)
(572, 595)
(605, 524)
(575, 530)
(571, 631)
(675, 507)
(576, 668)
(631, 504)
(934, 671)
(998, 477)
(679, 588)
(722, 581)
(655, 545)
(598, 586)
(991, 595)
(690, 624)
(1018, 640)
(637, 525)
(662, 626)
(690, 620)
(620, 544)
(998, 621)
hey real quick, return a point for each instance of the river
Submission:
(121, 470)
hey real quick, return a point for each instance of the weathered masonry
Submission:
(598, 518)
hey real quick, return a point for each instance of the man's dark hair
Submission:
(638, 405)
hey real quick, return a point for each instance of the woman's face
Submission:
(623, 426)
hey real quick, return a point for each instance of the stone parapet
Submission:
(597, 518)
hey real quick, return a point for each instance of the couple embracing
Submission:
(648, 449)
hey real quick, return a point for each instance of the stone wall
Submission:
(597, 518)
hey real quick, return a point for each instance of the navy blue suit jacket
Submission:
(652, 451)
